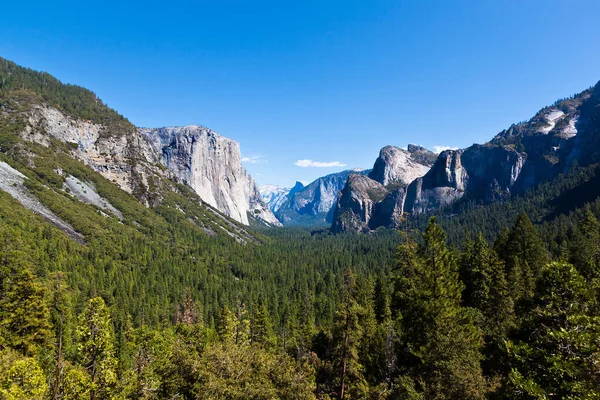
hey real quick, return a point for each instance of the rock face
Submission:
(395, 165)
(211, 165)
(111, 155)
(274, 196)
(313, 204)
(365, 204)
(208, 162)
(368, 202)
(514, 161)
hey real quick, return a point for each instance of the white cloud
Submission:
(254, 160)
(439, 149)
(318, 164)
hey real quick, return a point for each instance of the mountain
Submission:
(146, 163)
(211, 165)
(274, 195)
(555, 140)
(367, 202)
(399, 166)
(313, 204)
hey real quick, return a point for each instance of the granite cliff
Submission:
(514, 161)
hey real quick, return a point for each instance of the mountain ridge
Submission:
(515, 160)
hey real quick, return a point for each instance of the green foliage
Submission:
(25, 317)
(21, 378)
(96, 346)
(71, 99)
(556, 352)
(486, 287)
(249, 372)
(525, 255)
(171, 307)
(440, 344)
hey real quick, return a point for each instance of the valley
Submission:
(146, 263)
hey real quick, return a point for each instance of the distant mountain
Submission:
(313, 204)
(556, 139)
(274, 195)
(211, 165)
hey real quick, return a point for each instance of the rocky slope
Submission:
(517, 159)
(211, 165)
(147, 163)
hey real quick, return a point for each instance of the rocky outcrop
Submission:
(356, 204)
(368, 202)
(211, 165)
(133, 159)
(397, 166)
(313, 204)
(274, 196)
(443, 184)
(126, 159)
(513, 162)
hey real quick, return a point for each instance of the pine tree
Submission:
(25, 317)
(382, 301)
(585, 246)
(557, 351)
(525, 256)
(21, 378)
(347, 339)
(439, 335)
(96, 340)
(61, 310)
(262, 329)
(486, 287)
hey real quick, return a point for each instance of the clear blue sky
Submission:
(318, 80)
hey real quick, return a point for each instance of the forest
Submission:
(304, 315)
(475, 301)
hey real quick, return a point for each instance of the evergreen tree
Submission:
(585, 246)
(21, 378)
(525, 256)
(557, 351)
(382, 300)
(486, 287)
(25, 317)
(96, 345)
(60, 312)
(346, 340)
(439, 335)
(262, 329)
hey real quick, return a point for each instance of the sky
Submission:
(308, 87)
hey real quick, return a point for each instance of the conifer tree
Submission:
(486, 287)
(24, 313)
(556, 352)
(262, 330)
(60, 312)
(525, 256)
(96, 345)
(585, 246)
(21, 378)
(346, 340)
(439, 335)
